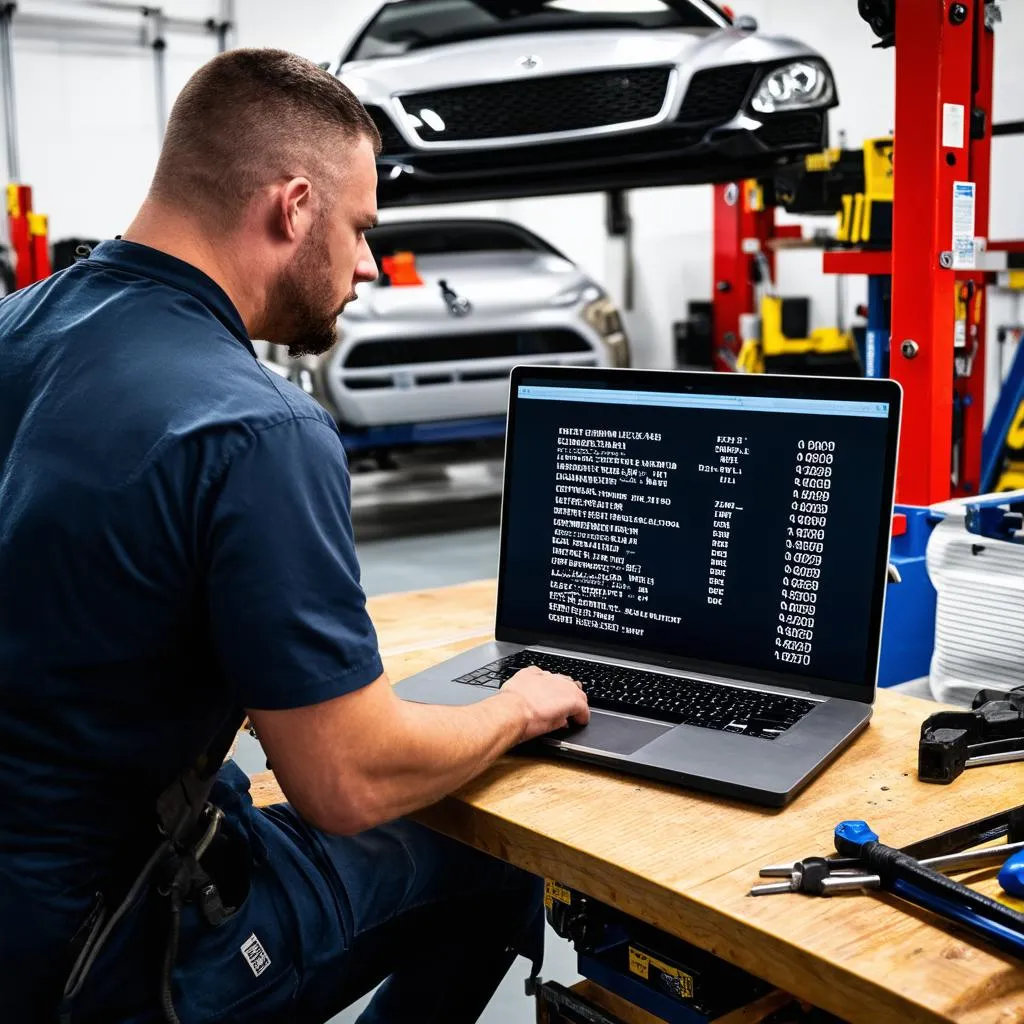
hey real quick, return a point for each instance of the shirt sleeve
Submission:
(286, 608)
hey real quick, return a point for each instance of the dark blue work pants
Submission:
(326, 919)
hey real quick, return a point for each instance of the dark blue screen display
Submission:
(737, 530)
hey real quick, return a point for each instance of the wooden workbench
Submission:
(684, 861)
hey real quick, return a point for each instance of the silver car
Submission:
(489, 295)
(489, 98)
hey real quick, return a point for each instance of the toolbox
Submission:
(672, 979)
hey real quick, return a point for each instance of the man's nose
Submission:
(366, 266)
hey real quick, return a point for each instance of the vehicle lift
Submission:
(918, 229)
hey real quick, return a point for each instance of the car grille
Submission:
(538, 106)
(716, 94)
(391, 140)
(793, 130)
(462, 347)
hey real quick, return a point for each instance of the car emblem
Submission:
(529, 63)
(458, 305)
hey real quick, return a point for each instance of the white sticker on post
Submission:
(960, 334)
(963, 225)
(953, 125)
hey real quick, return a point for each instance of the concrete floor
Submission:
(431, 531)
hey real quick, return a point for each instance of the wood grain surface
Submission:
(684, 861)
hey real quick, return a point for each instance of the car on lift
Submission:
(425, 351)
(488, 99)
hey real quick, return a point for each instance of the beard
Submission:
(301, 305)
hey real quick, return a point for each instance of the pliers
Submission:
(823, 876)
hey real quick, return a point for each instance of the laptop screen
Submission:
(737, 524)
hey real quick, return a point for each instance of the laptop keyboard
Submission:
(655, 695)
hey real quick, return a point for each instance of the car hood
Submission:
(489, 60)
(492, 281)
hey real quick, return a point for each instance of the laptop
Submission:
(707, 554)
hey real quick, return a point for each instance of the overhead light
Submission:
(604, 7)
(432, 120)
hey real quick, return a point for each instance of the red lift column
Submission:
(935, 51)
(19, 205)
(741, 225)
(971, 389)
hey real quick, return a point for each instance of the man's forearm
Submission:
(439, 749)
(367, 757)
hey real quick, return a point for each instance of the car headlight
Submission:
(578, 293)
(797, 86)
(603, 317)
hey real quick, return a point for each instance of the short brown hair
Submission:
(247, 118)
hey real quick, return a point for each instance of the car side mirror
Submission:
(746, 23)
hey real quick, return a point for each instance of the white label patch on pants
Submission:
(255, 955)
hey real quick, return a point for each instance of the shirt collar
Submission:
(160, 266)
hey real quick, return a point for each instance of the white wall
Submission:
(89, 140)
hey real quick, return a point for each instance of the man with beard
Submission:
(175, 550)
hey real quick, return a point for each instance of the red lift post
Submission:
(937, 60)
(971, 389)
(742, 228)
(19, 203)
(28, 235)
(732, 283)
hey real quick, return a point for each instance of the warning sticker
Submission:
(963, 225)
(672, 979)
(553, 891)
(953, 125)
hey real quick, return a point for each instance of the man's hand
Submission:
(367, 757)
(550, 701)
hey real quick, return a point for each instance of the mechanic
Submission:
(176, 550)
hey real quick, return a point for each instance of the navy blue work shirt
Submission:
(175, 541)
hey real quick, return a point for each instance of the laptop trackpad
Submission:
(612, 733)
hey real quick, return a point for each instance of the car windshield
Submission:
(418, 24)
(436, 238)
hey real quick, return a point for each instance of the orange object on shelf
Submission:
(401, 269)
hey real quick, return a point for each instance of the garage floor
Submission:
(437, 530)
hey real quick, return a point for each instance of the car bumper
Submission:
(670, 155)
(434, 391)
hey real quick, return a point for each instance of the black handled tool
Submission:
(911, 880)
(992, 732)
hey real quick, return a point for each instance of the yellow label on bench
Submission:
(553, 891)
(640, 963)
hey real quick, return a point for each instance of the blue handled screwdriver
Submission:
(908, 878)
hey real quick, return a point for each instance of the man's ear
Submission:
(293, 208)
